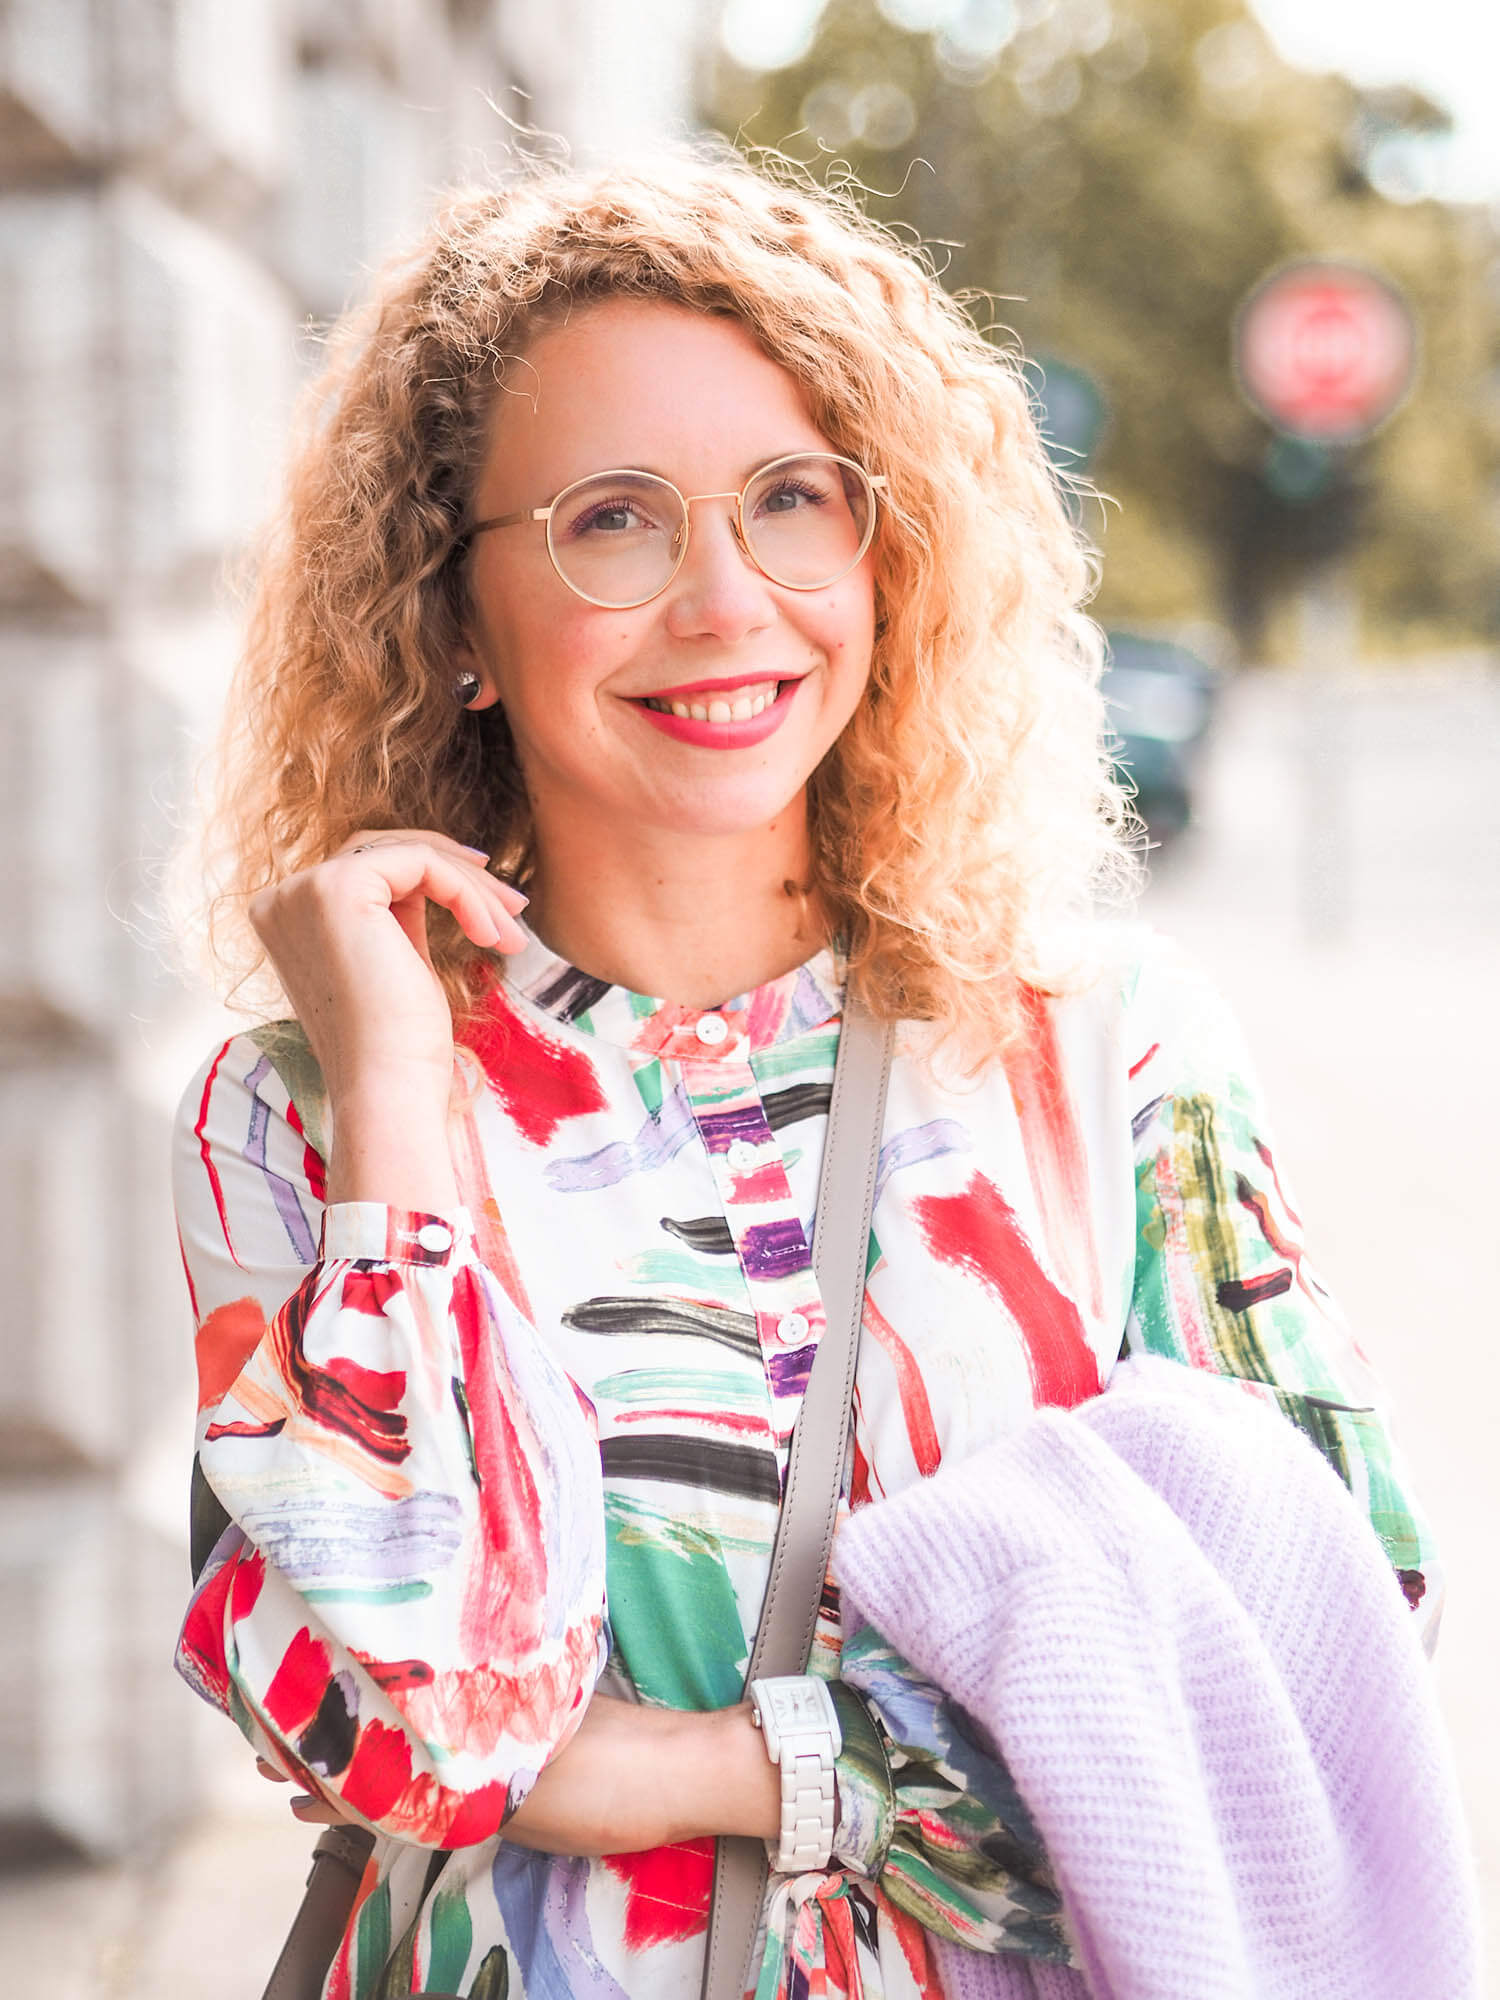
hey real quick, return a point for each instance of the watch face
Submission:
(800, 1706)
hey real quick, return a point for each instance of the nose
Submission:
(718, 592)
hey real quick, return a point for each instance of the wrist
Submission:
(389, 1143)
(722, 1773)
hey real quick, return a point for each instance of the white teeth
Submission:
(746, 702)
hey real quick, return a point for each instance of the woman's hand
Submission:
(348, 938)
(634, 1778)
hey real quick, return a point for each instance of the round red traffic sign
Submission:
(1325, 351)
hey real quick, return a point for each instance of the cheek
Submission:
(846, 629)
(553, 659)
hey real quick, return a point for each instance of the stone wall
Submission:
(184, 184)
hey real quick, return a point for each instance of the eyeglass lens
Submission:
(619, 537)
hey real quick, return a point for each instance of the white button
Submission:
(435, 1236)
(791, 1329)
(742, 1153)
(712, 1030)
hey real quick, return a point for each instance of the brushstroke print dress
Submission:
(468, 1467)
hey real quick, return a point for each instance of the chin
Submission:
(724, 811)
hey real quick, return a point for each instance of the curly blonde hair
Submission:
(967, 806)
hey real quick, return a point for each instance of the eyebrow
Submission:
(652, 472)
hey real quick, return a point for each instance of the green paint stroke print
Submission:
(690, 1273)
(395, 1593)
(803, 1056)
(1210, 1206)
(648, 1083)
(452, 1939)
(673, 1614)
(285, 1045)
(492, 1981)
(633, 1522)
(373, 1928)
(739, 1391)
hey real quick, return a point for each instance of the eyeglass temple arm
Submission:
(511, 520)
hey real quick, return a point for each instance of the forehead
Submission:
(688, 394)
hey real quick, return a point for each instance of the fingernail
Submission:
(479, 853)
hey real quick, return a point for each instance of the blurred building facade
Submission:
(184, 185)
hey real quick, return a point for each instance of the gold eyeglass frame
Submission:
(875, 481)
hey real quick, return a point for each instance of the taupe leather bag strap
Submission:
(338, 1865)
(809, 1507)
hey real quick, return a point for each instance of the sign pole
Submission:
(1328, 651)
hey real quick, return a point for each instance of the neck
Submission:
(693, 919)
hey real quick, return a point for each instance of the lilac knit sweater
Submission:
(1172, 1620)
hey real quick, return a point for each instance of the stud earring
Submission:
(465, 686)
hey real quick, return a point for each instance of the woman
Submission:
(669, 551)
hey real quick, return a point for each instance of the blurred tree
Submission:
(1116, 174)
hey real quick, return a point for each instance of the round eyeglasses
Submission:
(619, 538)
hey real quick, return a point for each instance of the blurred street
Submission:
(1368, 803)
(1378, 1050)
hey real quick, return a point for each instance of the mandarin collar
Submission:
(807, 997)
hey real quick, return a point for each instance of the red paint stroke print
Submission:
(859, 1479)
(249, 1581)
(200, 1132)
(916, 1409)
(244, 1430)
(370, 1291)
(1271, 1168)
(738, 1423)
(473, 1707)
(379, 1771)
(505, 1596)
(479, 1816)
(490, 1237)
(1054, 1151)
(396, 1675)
(1137, 1067)
(1284, 1245)
(298, 1684)
(202, 1635)
(312, 1159)
(761, 1184)
(912, 1939)
(667, 1891)
(541, 1083)
(354, 1402)
(223, 1344)
(977, 1231)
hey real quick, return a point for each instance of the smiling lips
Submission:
(720, 715)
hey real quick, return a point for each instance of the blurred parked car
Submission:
(1161, 700)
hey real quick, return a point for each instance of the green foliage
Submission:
(1115, 177)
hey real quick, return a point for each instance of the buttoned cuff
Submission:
(370, 1232)
(866, 1795)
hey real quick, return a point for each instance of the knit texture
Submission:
(1165, 1612)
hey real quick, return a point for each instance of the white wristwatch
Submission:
(796, 1716)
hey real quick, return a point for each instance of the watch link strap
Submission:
(815, 1469)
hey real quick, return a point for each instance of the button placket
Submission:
(764, 1222)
